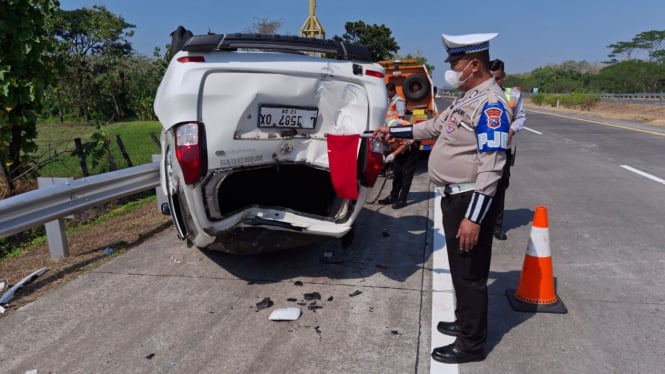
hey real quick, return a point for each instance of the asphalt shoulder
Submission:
(594, 117)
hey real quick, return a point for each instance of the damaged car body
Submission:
(245, 121)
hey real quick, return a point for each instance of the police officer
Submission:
(465, 165)
(514, 97)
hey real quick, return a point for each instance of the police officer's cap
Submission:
(460, 45)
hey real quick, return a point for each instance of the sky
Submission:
(532, 33)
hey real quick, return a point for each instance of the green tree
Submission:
(377, 38)
(25, 70)
(652, 41)
(265, 26)
(94, 42)
(631, 77)
(626, 49)
(418, 56)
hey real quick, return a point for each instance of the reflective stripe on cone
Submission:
(536, 289)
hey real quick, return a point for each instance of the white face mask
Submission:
(451, 77)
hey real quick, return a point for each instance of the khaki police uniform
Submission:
(466, 164)
(514, 97)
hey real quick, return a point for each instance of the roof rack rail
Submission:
(231, 42)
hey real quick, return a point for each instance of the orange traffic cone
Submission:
(535, 292)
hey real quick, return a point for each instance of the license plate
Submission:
(287, 117)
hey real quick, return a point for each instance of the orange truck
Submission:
(413, 83)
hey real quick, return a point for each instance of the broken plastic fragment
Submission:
(265, 303)
(285, 314)
(9, 295)
(312, 296)
(355, 293)
(332, 260)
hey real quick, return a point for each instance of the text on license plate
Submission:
(270, 116)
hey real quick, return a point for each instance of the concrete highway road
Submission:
(166, 308)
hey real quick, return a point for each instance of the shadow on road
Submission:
(516, 218)
(395, 246)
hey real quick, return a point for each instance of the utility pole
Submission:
(312, 27)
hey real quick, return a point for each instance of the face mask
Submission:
(451, 77)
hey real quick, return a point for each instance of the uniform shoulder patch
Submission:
(493, 127)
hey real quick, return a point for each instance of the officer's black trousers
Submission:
(404, 167)
(500, 197)
(469, 271)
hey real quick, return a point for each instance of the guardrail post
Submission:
(161, 198)
(56, 236)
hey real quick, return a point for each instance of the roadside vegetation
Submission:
(67, 75)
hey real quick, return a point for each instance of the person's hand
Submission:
(382, 133)
(467, 235)
(388, 159)
(511, 133)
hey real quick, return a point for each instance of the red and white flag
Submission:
(342, 159)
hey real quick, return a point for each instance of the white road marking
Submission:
(532, 130)
(644, 174)
(443, 295)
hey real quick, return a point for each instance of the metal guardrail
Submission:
(27, 210)
(635, 96)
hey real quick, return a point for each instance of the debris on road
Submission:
(108, 251)
(312, 296)
(355, 293)
(9, 295)
(328, 258)
(330, 298)
(285, 314)
(297, 283)
(263, 304)
(150, 356)
(292, 299)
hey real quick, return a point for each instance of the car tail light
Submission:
(374, 162)
(374, 73)
(189, 147)
(185, 59)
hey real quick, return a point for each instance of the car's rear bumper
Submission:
(258, 229)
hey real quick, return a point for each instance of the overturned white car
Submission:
(247, 121)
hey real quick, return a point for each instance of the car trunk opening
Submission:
(296, 187)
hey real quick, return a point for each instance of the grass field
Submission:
(58, 140)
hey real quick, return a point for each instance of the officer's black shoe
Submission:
(399, 204)
(386, 201)
(450, 354)
(448, 328)
(500, 236)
